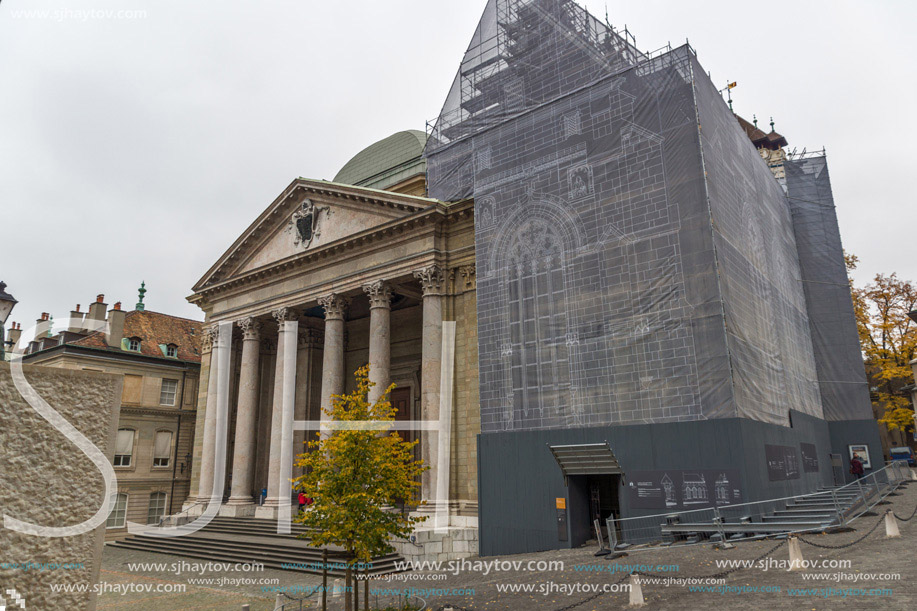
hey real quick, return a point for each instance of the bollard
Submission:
(246, 607)
(795, 554)
(337, 589)
(278, 602)
(636, 592)
(891, 525)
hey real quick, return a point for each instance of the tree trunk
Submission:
(366, 590)
(324, 580)
(348, 590)
(356, 590)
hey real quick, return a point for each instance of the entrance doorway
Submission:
(401, 401)
(593, 497)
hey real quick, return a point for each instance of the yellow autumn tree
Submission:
(888, 338)
(353, 474)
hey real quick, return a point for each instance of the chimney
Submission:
(42, 325)
(115, 330)
(96, 312)
(76, 320)
(14, 334)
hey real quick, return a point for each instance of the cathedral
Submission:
(589, 282)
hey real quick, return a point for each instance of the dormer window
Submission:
(133, 344)
(172, 351)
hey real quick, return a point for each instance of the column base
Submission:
(269, 511)
(238, 509)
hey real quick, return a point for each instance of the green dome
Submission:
(387, 162)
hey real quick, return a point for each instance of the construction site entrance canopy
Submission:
(586, 459)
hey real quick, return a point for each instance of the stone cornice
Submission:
(156, 411)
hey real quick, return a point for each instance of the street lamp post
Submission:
(7, 302)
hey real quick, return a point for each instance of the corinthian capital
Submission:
(281, 315)
(211, 337)
(251, 328)
(432, 279)
(380, 294)
(335, 305)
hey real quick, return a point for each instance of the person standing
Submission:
(856, 466)
(302, 501)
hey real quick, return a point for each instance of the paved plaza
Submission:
(880, 575)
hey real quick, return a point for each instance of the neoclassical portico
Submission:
(351, 276)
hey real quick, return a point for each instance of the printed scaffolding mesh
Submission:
(636, 260)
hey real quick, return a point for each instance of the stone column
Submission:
(246, 414)
(333, 353)
(432, 280)
(278, 492)
(309, 339)
(208, 445)
(380, 341)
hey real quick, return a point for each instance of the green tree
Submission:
(888, 338)
(353, 474)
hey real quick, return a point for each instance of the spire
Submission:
(772, 123)
(141, 292)
(755, 117)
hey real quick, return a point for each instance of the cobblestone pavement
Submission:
(880, 574)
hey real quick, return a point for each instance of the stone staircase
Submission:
(248, 540)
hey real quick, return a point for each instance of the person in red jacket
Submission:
(856, 466)
(302, 500)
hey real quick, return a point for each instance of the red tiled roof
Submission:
(757, 136)
(153, 329)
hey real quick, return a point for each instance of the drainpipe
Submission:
(181, 403)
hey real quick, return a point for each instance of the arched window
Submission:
(157, 508)
(124, 448)
(537, 322)
(118, 513)
(172, 351)
(133, 344)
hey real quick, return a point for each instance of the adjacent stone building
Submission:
(158, 358)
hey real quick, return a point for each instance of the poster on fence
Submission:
(809, 457)
(782, 463)
(679, 490)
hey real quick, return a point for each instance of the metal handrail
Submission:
(185, 510)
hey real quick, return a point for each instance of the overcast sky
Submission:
(138, 146)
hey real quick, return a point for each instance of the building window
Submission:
(167, 392)
(162, 449)
(172, 351)
(133, 344)
(157, 508)
(118, 514)
(124, 448)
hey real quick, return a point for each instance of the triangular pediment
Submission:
(307, 216)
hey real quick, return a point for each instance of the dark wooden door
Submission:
(401, 401)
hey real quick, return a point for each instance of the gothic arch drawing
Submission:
(539, 345)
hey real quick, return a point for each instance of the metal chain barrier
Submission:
(913, 513)
(725, 573)
(593, 597)
(845, 545)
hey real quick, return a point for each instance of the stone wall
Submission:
(46, 480)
